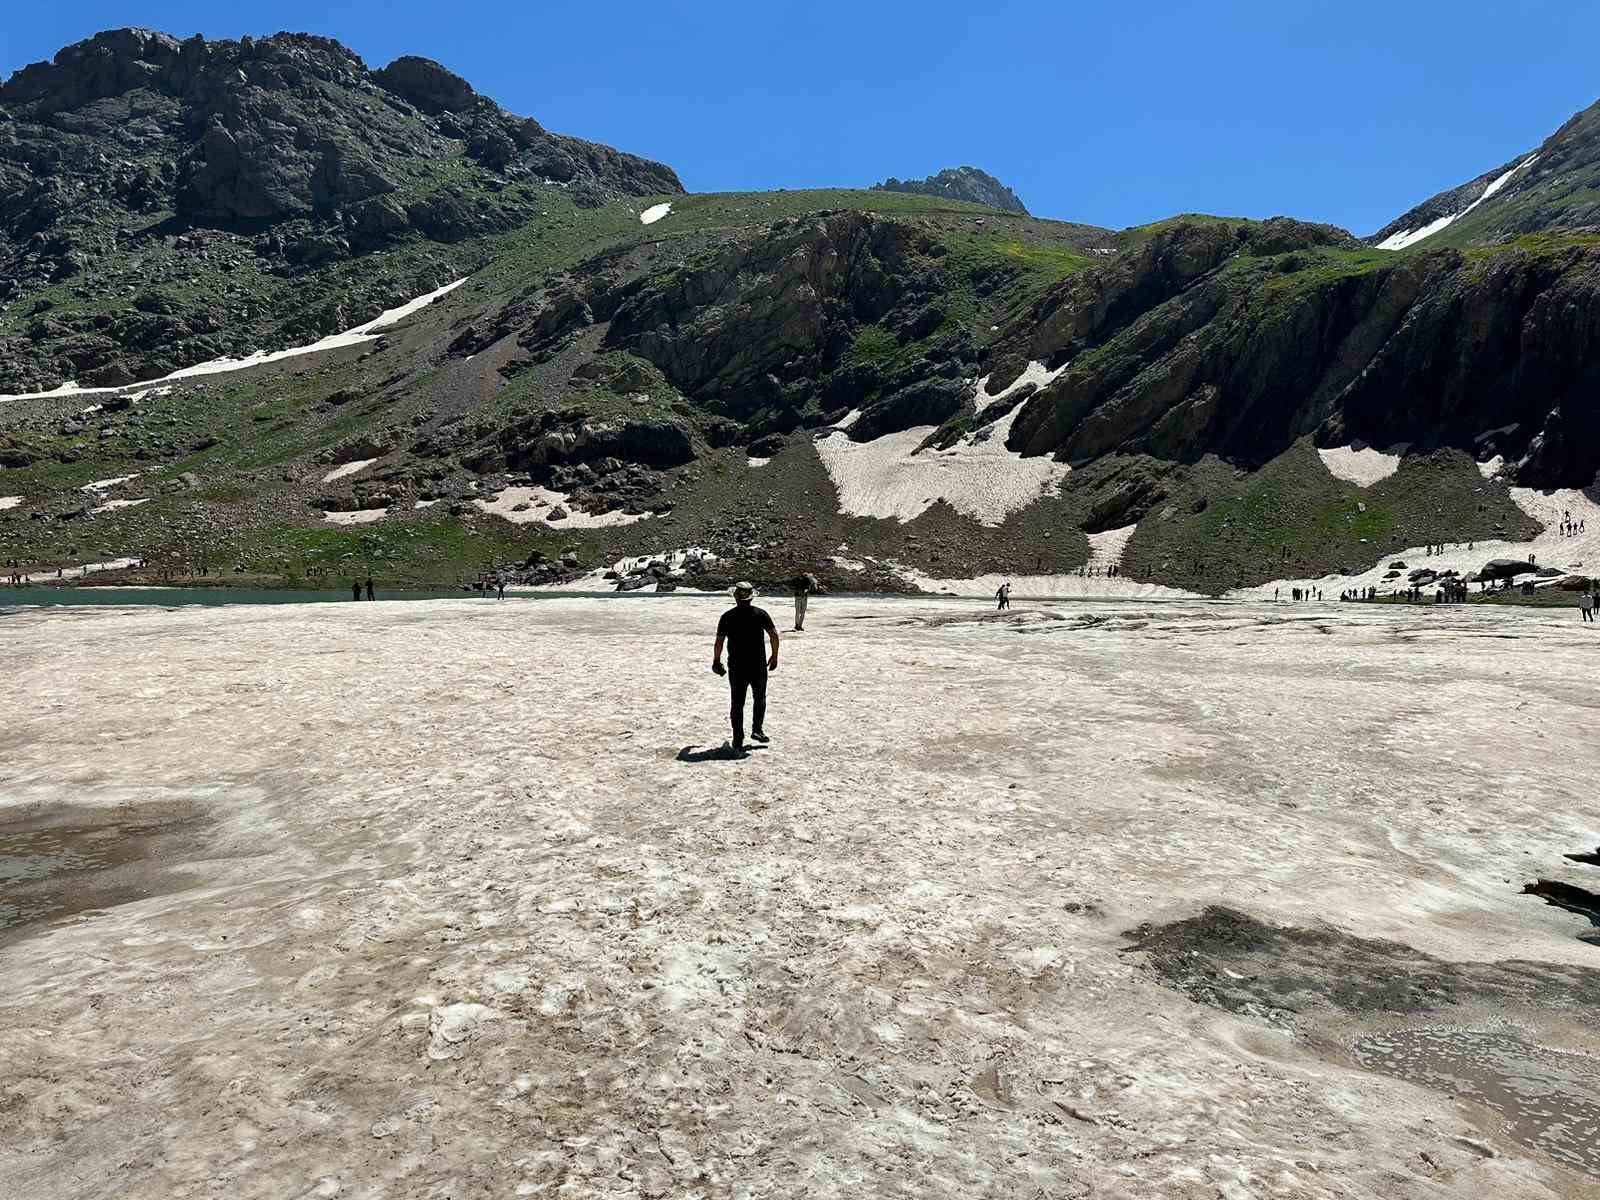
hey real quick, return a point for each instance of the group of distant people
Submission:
(1298, 594)
(355, 589)
(1569, 527)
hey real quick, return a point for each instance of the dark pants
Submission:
(740, 680)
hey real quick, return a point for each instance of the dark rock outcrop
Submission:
(960, 183)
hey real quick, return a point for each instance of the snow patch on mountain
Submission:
(366, 332)
(1361, 464)
(890, 478)
(654, 213)
(1410, 237)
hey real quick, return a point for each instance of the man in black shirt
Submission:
(741, 629)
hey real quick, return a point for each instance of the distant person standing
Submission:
(741, 630)
(500, 586)
(1002, 596)
(1586, 606)
(803, 586)
(372, 593)
(355, 589)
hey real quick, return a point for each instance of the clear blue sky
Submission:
(1113, 113)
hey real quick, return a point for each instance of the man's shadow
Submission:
(724, 752)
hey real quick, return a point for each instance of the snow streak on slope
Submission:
(351, 337)
(654, 213)
(1410, 237)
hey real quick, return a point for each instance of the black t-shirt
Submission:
(743, 626)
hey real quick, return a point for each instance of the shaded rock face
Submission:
(1223, 338)
(960, 183)
(284, 126)
(759, 330)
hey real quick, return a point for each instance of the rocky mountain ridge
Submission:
(1554, 187)
(960, 183)
(134, 159)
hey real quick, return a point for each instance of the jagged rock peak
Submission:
(960, 183)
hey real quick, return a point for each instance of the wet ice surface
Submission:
(50, 869)
(463, 923)
(1550, 1100)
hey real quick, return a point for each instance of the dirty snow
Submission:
(478, 929)
(1035, 373)
(365, 332)
(757, 462)
(1410, 237)
(113, 505)
(541, 500)
(1360, 464)
(1107, 546)
(359, 516)
(675, 562)
(94, 568)
(1069, 586)
(102, 485)
(977, 476)
(9, 502)
(349, 468)
(654, 213)
(1550, 549)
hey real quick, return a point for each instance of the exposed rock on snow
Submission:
(550, 507)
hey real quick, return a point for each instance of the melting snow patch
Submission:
(101, 485)
(1045, 587)
(9, 502)
(757, 462)
(424, 504)
(112, 505)
(350, 337)
(1493, 467)
(349, 468)
(1362, 465)
(359, 516)
(654, 213)
(1035, 373)
(977, 476)
(542, 502)
(1106, 547)
(1410, 237)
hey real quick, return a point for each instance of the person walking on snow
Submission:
(1586, 606)
(740, 630)
(1002, 595)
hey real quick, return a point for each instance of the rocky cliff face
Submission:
(133, 158)
(960, 183)
(1236, 339)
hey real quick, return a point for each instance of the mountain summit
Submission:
(960, 183)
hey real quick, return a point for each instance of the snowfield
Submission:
(977, 476)
(473, 908)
